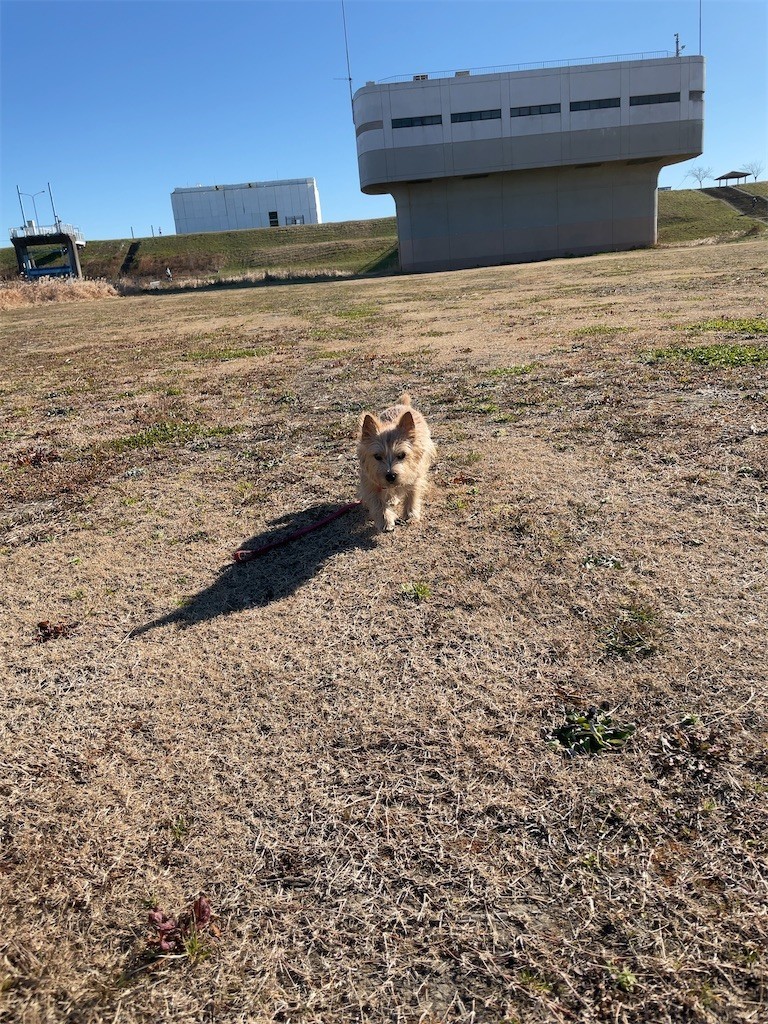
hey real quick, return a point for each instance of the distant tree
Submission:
(700, 174)
(754, 167)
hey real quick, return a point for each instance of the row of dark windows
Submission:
(634, 101)
(540, 108)
(467, 115)
(476, 115)
(613, 101)
(656, 97)
(416, 122)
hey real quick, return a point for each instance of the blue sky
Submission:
(117, 102)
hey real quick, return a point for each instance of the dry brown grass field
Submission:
(352, 747)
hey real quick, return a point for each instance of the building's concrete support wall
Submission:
(525, 215)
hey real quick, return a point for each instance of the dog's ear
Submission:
(368, 427)
(406, 424)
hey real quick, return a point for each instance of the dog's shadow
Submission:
(276, 574)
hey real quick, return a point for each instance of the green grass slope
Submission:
(360, 246)
(688, 215)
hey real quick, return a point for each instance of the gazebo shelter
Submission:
(736, 176)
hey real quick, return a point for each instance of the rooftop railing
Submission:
(53, 229)
(537, 65)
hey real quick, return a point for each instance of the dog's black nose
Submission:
(391, 477)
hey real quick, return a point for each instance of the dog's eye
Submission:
(377, 457)
(401, 455)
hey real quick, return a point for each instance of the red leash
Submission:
(244, 555)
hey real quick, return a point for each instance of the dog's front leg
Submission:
(413, 504)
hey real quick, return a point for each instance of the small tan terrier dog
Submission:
(395, 451)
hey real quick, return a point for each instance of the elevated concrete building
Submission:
(527, 164)
(253, 204)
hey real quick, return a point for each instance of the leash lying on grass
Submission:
(245, 555)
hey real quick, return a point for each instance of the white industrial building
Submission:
(253, 204)
(528, 164)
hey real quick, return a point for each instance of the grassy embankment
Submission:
(364, 246)
(352, 247)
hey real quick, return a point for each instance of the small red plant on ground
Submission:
(181, 935)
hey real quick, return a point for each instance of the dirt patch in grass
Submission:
(324, 785)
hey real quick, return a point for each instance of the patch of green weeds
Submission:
(624, 979)
(750, 956)
(196, 948)
(467, 458)
(362, 312)
(720, 356)
(741, 325)
(160, 433)
(534, 981)
(591, 861)
(330, 353)
(417, 591)
(249, 494)
(709, 996)
(590, 732)
(223, 354)
(599, 330)
(632, 634)
(458, 503)
(170, 432)
(512, 371)
(179, 828)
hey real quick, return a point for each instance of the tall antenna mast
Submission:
(53, 208)
(346, 48)
(699, 27)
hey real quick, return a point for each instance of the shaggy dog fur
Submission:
(395, 451)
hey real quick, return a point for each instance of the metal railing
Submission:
(569, 63)
(53, 229)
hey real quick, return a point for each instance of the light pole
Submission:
(31, 195)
